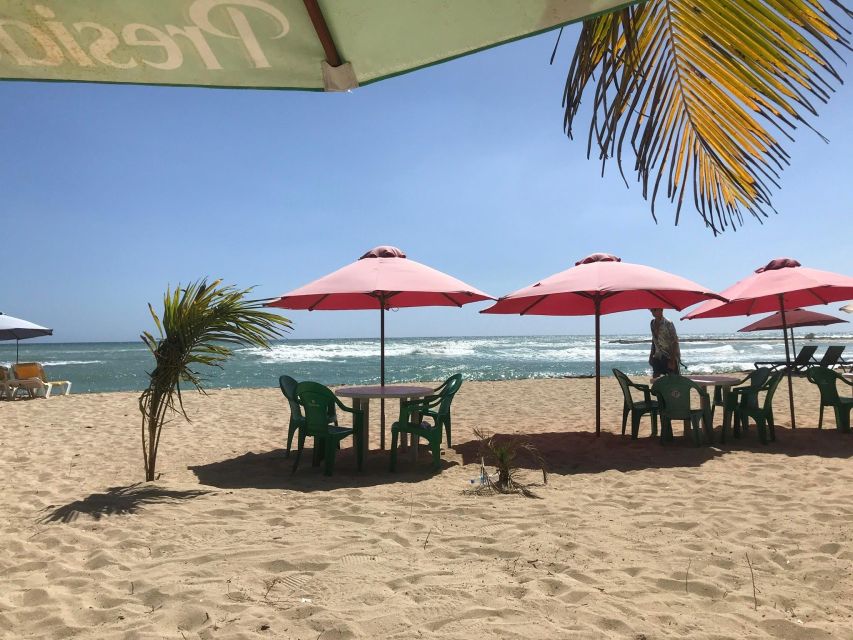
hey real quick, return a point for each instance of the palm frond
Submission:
(700, 90)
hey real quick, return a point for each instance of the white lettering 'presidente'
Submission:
(50, 43)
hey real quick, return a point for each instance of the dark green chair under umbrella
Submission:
(674, 403)
(288, 388)
(744, 394)
(761, 413)
(318, 404)
(826, 381)
(411, 420)
(636, 409)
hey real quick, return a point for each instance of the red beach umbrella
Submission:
(383, 278)
(597, 285)
(781, 285)
(793, 318)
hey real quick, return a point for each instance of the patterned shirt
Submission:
(664, 340)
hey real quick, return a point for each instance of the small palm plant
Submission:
(199, 323)
(505, 454)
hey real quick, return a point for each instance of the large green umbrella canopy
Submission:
(278, 44)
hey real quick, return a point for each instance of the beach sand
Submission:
(629, 539)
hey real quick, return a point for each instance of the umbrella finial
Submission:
(778, 263)
(599, 257)
(384, 251)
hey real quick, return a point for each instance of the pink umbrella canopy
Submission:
(781, 285)
(597, 285)
(383, 278)
(793, 318)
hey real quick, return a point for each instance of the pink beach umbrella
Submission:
(793, 318)
(601, 284)
(781, 285)
(383, 278)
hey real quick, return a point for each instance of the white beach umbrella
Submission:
(12, 328)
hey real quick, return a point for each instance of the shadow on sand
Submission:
(272, 470)
(117, 501)
(564, 454)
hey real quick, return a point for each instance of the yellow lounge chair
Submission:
(9, 386)
(34, 372)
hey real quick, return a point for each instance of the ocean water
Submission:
(122, 366)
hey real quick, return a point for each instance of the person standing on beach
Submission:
(665, 354)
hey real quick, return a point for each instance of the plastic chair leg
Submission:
(654, 423)
(625, 412)
(696, 425)
(331, 448)
(300, 446)
(291, 430)
(393, 465)
(636, 416)
(820, 418)
(762, 430)
(435, 446)
(447, 429)
(842, 419)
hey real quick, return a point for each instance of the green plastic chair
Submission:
(674, 396)
(762, 413)
(826, 380)
(288, 388)
(436, 407)
(744, 394)
(636, 409)
(450, 385)
(318, 403)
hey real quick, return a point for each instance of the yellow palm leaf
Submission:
(700, 89)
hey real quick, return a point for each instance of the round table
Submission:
(361, 396)
(724, 382)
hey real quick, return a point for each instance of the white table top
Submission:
(709, 380)
(713, 380)
(388, 391)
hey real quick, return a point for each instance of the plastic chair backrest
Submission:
(318, 403)
(623, 381)
(805, 355)
(758, 377)
(452, 385)
(831, 356)
(825, 380)
(24, 370)
(774, 381)
(288, 388)
(673, 392)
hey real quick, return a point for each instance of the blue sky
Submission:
(111, 193)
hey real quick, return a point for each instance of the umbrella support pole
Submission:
(597, 366)
(788, 363)
(382, 373)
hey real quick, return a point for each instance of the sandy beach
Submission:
(629, 539)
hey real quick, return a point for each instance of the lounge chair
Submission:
(826, 380)
(33, 372)
(831, 357)
(799, 364)
(318, 403)
(636, 409)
